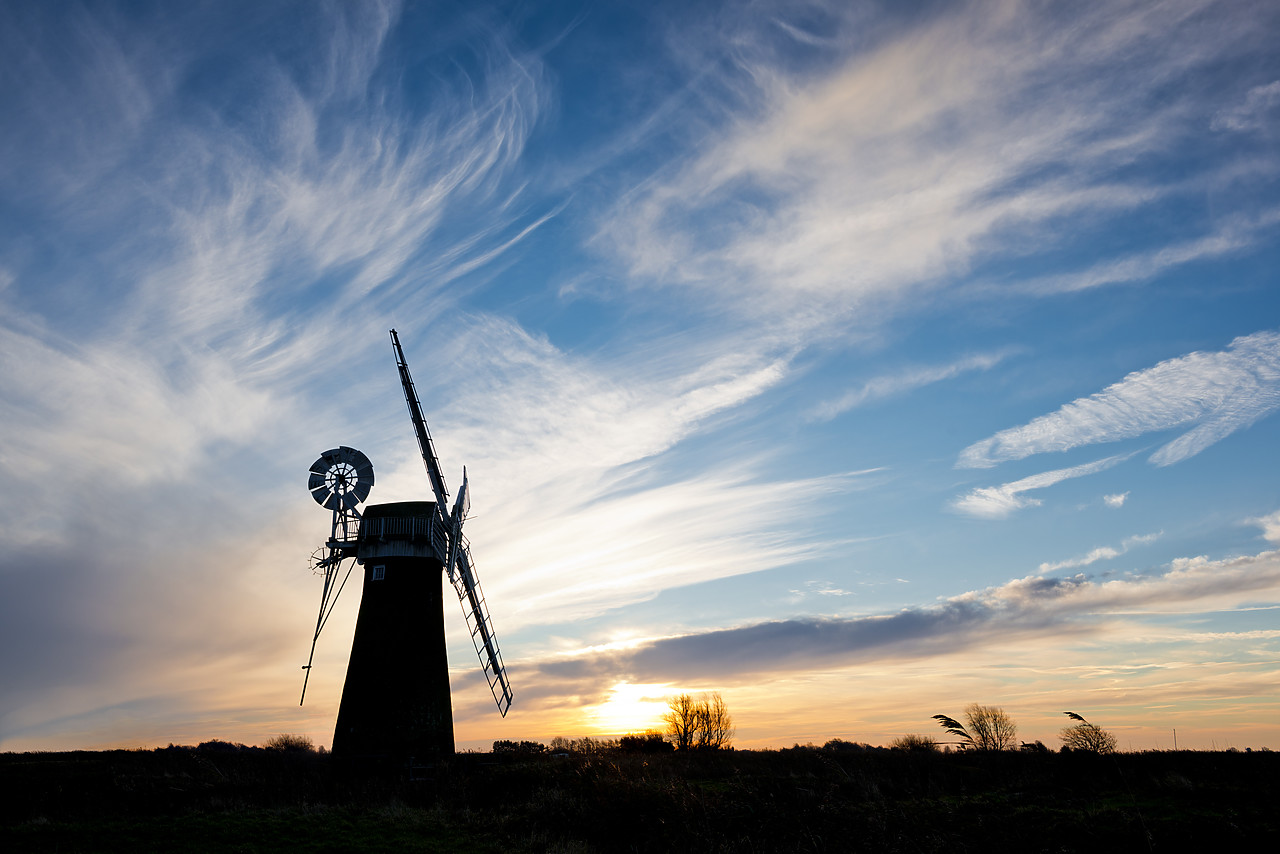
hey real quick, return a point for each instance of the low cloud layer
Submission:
(1021, 610)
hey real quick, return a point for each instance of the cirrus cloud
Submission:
(1023, 608)
(997, 502)
(1215, 394)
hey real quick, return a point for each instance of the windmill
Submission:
(396, 699)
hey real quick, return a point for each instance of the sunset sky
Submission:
(856, 360)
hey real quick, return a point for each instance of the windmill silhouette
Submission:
(396, 700)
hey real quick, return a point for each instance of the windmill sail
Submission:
(461, 508)
(457, 556)
(481, 627)
(420, 428)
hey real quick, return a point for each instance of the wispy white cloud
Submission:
(831, 199)
(1115, 500)
(257, 250)
(309, 199)
(819, 588)
(1218, 393)
(904, 382)
(1101, 553)
(533, 408)
(1270, 526)
(998, 502)
(169, 379)
(1236, 234)
(1260, 107)
(576, 507)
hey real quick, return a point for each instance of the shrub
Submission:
(518, 748)
(586, 746)
(218, 746)
(290, 742)
(839, 745)
(914, 741)
(650, 742)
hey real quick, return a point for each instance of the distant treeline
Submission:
(650, 742)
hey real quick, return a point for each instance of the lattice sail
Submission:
(457, 560)
(481, 627)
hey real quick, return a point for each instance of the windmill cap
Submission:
(400, 508)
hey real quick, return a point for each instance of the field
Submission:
(803, 799)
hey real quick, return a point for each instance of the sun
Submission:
(630, 708)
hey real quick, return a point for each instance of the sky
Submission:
(858, 361)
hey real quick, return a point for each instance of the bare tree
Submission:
(682, 721)
(715, 724)
(992, 729)
(702, 723)
(989, 728)
(1087, 736)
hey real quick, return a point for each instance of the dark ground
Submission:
(791, 800)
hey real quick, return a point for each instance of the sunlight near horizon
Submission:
(629, 709)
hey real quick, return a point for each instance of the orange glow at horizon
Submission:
(631, 708)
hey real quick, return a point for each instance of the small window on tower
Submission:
(379, 573)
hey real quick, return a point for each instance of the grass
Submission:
(791, 800)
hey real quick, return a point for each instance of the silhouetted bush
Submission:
(518, 748)
(839, 745)
(290, 742)
(218, 746)
(914, 741)
(585, 746)
(650, 742)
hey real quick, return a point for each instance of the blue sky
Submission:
(858, 361)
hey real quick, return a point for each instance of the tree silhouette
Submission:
(701, 723)
(989, 728)
(1087, 736)
(715, 724)
(682, 721)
